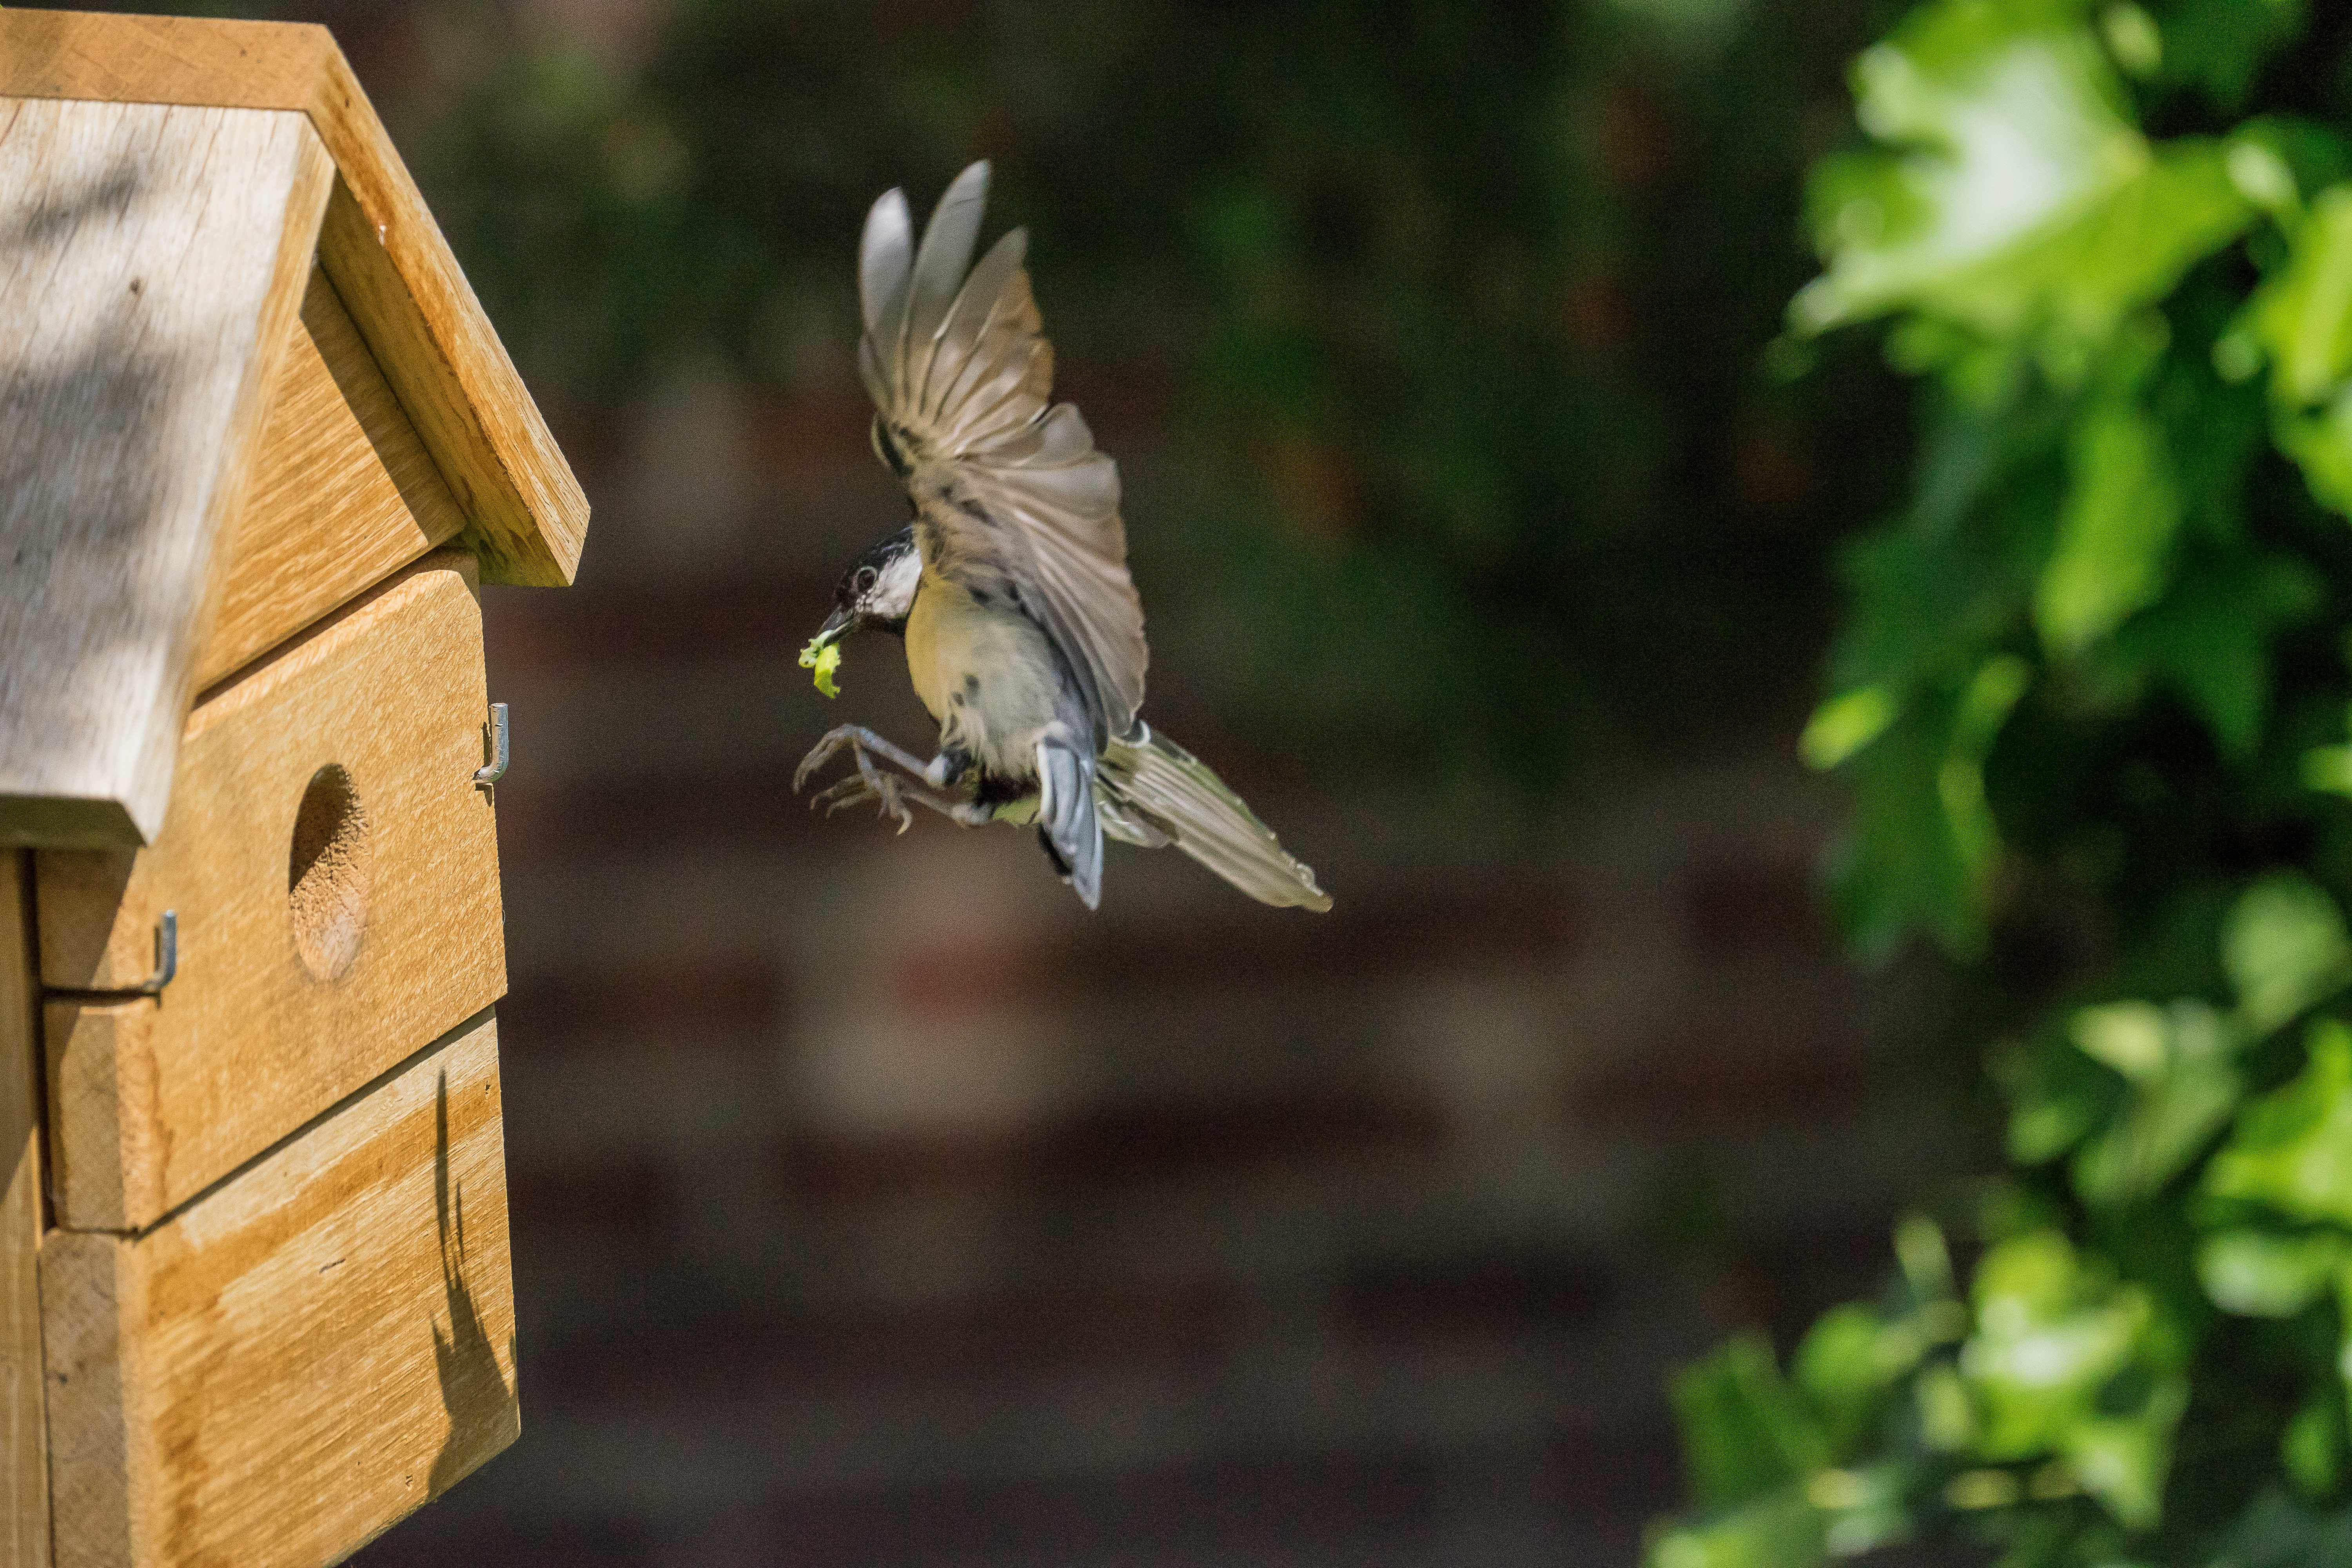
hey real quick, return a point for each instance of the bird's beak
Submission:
(837, 626)
(822, 656)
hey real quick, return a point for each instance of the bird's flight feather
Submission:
(1155, 785)
(960, 369)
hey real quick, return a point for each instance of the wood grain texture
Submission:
(335, 873)
(384, 252)
(107, 1163)
(411, 330)
(101, 1439)
(289, 1365)
(24, 1443)
(151, 259)
(343, 492)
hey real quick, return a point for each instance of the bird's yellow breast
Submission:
(985, 671)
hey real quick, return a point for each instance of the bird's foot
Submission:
(869, 783)
(860, 741)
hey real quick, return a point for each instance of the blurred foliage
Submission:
(2094, 676)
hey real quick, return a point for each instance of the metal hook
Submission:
(167, 955)
(488, 776)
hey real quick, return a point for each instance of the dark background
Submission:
(874, 1205)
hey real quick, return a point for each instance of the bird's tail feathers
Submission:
(1158, 786)
(1066, 824)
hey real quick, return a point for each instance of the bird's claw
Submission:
(893, 805)
(869, 783)
(840, 792)
(822, 752)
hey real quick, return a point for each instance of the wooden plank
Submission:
(418, 339)
(335, 870)
(151, 259)
(385, 254)
(101, 1436)
(107, 1163)
(24, 1443)
(286, 1368)
(343, 492)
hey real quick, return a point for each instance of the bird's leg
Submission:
(860, 741)
(869, 782)
(893, 792)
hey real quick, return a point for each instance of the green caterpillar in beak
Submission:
(823, 655)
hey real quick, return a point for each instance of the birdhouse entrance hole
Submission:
(327, 874)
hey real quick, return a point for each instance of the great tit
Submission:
(1023, 632)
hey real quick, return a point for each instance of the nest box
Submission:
(258, 448)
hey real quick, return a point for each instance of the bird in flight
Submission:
(1023, 632)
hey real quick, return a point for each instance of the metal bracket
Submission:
(486, 777)
(167, 955)
(167, 965)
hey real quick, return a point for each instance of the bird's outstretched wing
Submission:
(962, 373)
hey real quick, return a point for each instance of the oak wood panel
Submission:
(327, 921)
(343, 492)
(107, 1159)
(289, 1365)
(418, 342)
(151, 258)
(24, 1443)
(384, 252)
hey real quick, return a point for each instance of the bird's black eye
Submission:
(866, 578)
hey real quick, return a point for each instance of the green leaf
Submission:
(2122, 1460)
(2315, 155)
(2023, 193)
(2209, 638)
(1863, 1509)
(2292, 1150)
(1845, 1365)
(2219, 45)
(1948, 1416)
(2321, 445)
(1783, 1531)
(2134, 250)
(1925, 845)
(2048, 1338)
(1845, 724)
(2130, 1037)
(2055, 1098)
(2132, 38)
(1745, 1430)
(1923, 587)
(1992, 694)
(2327, 769)
(2264, 1274)
(2283, 948)
(1926, 1258)
(2014, 121)
(2184, 1085)
(2311, 1447)
(2114, 534)
(2302, 316)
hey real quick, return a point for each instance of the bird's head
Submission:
(877, 592)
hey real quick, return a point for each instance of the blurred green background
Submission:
(1528, 409)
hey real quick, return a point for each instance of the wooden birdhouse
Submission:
(258, 448)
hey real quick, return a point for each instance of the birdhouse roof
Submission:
(171, 189)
